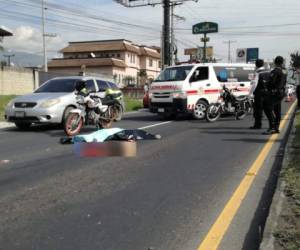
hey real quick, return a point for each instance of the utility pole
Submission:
(44, 34)
(229, 42)
(166, 48)
(167, 57)
(44, 37)
(8, 58)
(172, 33)
(173, 18)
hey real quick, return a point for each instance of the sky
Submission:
(271, 25)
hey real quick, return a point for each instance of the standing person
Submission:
(257, 89)
(298, 87)
(276, 92)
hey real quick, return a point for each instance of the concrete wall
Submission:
(17, 81)
(106, 73)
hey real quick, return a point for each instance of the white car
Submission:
(52, 101)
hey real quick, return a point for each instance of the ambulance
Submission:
(190, 88)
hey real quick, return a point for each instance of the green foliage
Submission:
(132, 104)
(287, 234)
(143, 73)
(4, 99)
(129, 80)
(295, 60)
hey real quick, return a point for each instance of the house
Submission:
(122, 60)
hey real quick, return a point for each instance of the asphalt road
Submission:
(166, 198)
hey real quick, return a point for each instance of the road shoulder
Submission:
(282, 226)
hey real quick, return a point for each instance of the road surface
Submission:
(166, 198)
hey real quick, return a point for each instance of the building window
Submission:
(133, 59)
(118, 55)
(150, 63)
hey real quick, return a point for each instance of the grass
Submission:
(287, 234)
(4, 99)
(133, 104)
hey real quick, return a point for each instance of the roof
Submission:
(149, 52)
(111, 45)
(106, 45)
(4, 32)
(96, 62)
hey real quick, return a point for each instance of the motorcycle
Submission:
(228, 103)
(92, 110)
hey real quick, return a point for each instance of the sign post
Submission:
(205, 28)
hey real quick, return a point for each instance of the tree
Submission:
(295, 61)
(129, 80)
(3, 64)
(143, 76)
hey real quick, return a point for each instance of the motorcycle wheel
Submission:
(213, 113)
(72, 126)
(118, 112)
(240, 115)
(249, 108)
(109, 118)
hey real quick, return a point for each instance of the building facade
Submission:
(122, 60)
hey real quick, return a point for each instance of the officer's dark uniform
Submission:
(259, 93)
(274, 96)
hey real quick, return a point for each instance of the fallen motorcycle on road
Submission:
(228, 103)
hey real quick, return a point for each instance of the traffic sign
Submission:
(205, 27)
(252, 54)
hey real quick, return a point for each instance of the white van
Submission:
(189, 88)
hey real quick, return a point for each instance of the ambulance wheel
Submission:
(199, 110)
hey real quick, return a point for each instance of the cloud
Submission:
(29, 39)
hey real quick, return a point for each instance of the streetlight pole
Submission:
(229, 42)
(8, 59)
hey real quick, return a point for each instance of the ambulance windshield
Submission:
(174, 74)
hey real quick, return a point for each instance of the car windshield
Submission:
(58, 85)
(174, 74)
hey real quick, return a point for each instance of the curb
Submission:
(4, 125)
(279, 197)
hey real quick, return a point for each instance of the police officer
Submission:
(275, 94)
(298, 87)
(257, 89)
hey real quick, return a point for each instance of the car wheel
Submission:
(23, 125)
(199, 110)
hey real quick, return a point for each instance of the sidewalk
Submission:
(6, 125)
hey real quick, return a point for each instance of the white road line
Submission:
(156, 124)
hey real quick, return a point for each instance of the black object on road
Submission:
(123, 135)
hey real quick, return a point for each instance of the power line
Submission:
(89, 28)
(254, 27)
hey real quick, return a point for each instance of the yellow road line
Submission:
(219, 228)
